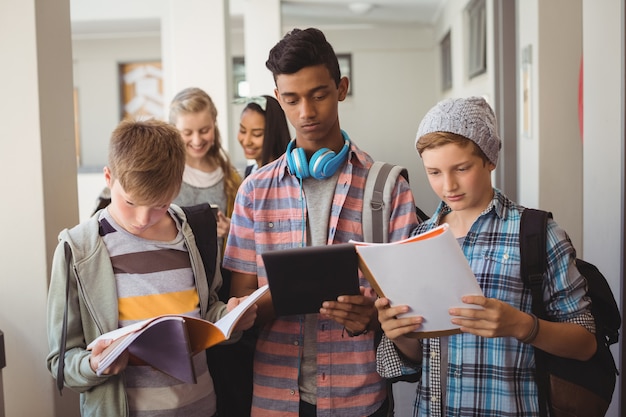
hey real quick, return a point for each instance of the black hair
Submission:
(303, 48)
(276, 135)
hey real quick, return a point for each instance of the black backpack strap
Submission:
(203, 222)
(533, 249)
(421, 216)
(533, 265)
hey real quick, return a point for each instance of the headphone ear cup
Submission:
(319, 163)
(325, 162)
(300, 165)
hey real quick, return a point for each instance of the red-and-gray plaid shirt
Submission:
(268, 216)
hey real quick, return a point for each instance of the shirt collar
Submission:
(497, 205)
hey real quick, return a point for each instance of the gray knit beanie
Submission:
(470, 117)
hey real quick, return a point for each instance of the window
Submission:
(240, 85)
(345, 67)
(477, 48)
(446, 62)
(141, 85)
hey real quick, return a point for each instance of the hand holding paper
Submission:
(396, 329)
(427, 272)
(99, 352)
(168, 342)
(245, 320)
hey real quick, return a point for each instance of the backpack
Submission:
(203, 223)
(379, 185)
(200, 217)
(568, 386)
(381, 180)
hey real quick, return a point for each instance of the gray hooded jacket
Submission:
(93, 310)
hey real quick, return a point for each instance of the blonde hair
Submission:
(148, 159)
(434, 140)
(195, 100)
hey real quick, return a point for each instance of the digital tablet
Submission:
(301, 279)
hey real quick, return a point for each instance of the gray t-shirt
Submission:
(190, 195)
(319, 197)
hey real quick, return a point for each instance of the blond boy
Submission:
(134, 260)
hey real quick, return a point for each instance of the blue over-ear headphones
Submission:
(323, 164)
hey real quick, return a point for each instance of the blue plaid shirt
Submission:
(493, 376)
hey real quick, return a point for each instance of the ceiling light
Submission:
(360, 7)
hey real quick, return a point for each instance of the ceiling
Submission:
(296, 13)
(386, 12)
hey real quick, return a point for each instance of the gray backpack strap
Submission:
(381, 180)
(60, 380)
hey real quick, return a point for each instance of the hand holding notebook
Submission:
(168, 342)
(427, 272)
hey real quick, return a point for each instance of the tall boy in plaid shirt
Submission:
(315, 364)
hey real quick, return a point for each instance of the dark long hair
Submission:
(276, 135)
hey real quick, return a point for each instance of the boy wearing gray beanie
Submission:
(489, 368)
